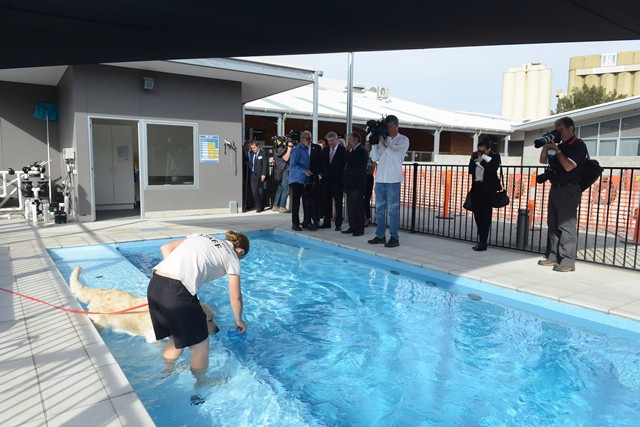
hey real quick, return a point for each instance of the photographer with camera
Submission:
(483, 167)
(281, 154)
(389, 153)
(566, 156)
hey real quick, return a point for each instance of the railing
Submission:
(608, 215)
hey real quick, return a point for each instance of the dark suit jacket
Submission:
(355, 169)
(315, 160)
(335, 169)
(490, 181)
(261, 162)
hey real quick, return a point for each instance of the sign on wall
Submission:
(209, 148)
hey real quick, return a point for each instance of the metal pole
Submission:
(350, 94)
(316, 78)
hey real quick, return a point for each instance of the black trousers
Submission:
(355, 210)
(311, 202)
(247, 197)
(481, 199)
(332, 193)
(562, 238)
(295, 189)
(367, 197)
(257, 189)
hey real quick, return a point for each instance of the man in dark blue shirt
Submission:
(567, 160)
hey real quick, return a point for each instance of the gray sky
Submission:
(465, 79)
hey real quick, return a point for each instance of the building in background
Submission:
(614, 71)
(526, 92)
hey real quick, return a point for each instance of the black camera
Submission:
(376, 129)
(551, 136)
(551, 171)
(293, 137)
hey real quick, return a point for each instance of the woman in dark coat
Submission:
(483, 168)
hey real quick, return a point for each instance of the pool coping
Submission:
(68, 375)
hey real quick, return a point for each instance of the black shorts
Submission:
(175, 312)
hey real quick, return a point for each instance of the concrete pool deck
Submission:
(56, 370)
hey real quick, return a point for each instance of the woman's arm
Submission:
(167, 248)
(235, 298)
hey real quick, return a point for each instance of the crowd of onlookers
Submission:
(320, 176)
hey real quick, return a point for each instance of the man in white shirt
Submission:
(389, 154)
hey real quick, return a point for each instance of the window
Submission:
(589, 131)
(630, 126)
(630, 146)
(607, 147)
(170, 154)
(610, 129)
(592, 146)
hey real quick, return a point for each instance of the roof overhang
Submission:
(258, 79)
(45, 32)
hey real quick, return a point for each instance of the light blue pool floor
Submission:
(56, 370)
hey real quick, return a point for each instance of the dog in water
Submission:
(136, 322)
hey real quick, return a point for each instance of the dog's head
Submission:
(211, 324)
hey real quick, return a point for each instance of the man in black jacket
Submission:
(333, 157)
(258, 167)
(355, 181)
(312, 193)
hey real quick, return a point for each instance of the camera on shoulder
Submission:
(376, 129)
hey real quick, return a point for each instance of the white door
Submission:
(123, 182)
(102, 164)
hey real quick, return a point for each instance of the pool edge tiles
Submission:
(551, 309)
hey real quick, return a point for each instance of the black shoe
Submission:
(259, 210)
(358, 233)
(376, 240)
(348, 231)
(338, 228)
(480, 247)
(310, 227)
(296, 228)
(325, 225)
(392, 243)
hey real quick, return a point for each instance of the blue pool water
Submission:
(339, 338)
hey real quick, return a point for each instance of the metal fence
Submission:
(608, 215)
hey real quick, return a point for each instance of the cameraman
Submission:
(566, 162)
(281, 154)
(389, 154)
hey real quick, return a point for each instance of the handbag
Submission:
(500, 198)
(591, 173)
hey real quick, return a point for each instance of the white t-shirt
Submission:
(200, 258)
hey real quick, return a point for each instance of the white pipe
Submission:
(350, 95)
(49, 158)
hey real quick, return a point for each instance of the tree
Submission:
(586, 96)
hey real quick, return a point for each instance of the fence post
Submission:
(636, 233)
(447, 196)
(414, 200)
(531, 203)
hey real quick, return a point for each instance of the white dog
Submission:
(136, 322)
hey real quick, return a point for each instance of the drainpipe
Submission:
(316, 77)
(350, 95)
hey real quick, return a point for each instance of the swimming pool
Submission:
(337, 337)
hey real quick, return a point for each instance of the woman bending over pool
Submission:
(172, 292)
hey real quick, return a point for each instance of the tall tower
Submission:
(526, 91)
(618, 71)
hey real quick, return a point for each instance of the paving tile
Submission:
(79, 417)
(114, 380)
(65, 393)
(21, 406)
(131, 411)
(598, 302)
(99, 354)
(62, 363)
(630, 311)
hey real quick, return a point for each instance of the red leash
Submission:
(70, 310)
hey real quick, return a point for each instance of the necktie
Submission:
(331, 153)
(253, 169)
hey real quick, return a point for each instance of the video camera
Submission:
(285, 140)
(550, 172)
(376, 129)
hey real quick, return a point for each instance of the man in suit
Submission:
(355, 182)
(332, 170)
(247, 199)
(258, 163)
(312, 194)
